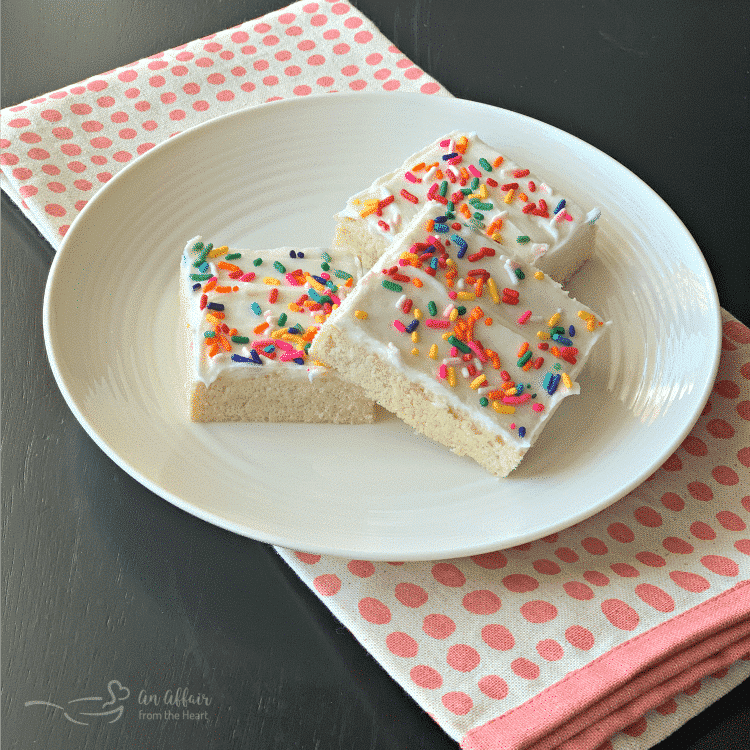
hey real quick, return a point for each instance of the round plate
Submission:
(275, 175)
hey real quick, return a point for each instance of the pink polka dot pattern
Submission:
(286, 54)
(469, 638)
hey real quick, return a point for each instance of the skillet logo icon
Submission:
(84, 710)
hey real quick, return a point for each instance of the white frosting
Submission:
(496, 328)
(539, 225)
(242, 289)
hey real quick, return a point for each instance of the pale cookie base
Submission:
(353, 237)
(276, 397)
(413, 404)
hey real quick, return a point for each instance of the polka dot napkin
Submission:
(58, 149)
(608, 635)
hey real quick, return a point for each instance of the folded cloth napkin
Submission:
(610, 634)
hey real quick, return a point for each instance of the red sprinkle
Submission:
(412, 198)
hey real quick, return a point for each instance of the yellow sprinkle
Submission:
(415, 351)
(498, 238)
(478, 382)
(461, 144)
(315, 284)
(415, 337)
(539, 275)
(554, 320)
(502, 408)
(583, 315)
(417, 313)
(411, 257)
(318, 363)
(371, 202)
(434, 351)
(567, 382)
(509, 196)
(365, 212)
(483, 191)
(453, 315)
(320, 318)
(511, 392)
(294, 307)
(492, 286)
(271, 281)
(361, 314)
(213, 319)
(543, 335)
(590, 325)
(466, 295)
(217, 251)
(451, 377)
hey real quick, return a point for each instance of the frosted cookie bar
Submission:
(249, 319)
(470, 346)
(480, 188)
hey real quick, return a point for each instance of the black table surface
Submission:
(103, 580)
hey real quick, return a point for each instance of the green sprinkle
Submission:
(280, 267)
(450, 214)
(519, 273)
(240, 339)
(233, 256)
(523, 239)
(325, 257)
(208, 334)
(432, 307)
(480, 205)
(342, 275)
(474, 184)
(257, 261)
(392, 285)
(461, 310)
(444, 188)
(450, 206)
(467, 191)
(325, 266)
(484, 401)
(526, 357)
(478, 216)
(197, 246)
(556, 329)
(255, 307)
(485, 165)
(282, 319)
(453, 341)
(200, 276)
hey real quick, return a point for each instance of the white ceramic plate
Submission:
(274, 175)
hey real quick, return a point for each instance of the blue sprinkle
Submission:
(461, 242)
(450, 156)
(298, 361)
(196, 287)
(203, 267)
(215, 306)
(292, 253)
(440, 227)
(441, 219)
(412, 326)
(255, 357)
(519, 389)
(255, 307)
(521, 432)
(572, 331)
(560, 206)
(434, 263)
(268, 349)
(294, 330)
(562, 340)
(246, 360)
(551, 385)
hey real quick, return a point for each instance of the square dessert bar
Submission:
(476, 185)
(249, 319)
(470, 346)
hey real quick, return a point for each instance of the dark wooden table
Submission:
(103, 581)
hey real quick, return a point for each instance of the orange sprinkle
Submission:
(523, 349)
(215, 316)
(439, 174)
(417, 282)
(498, 161)
(213, 350)
(210, 284)
(495, 226)
(227, 266)
(418, 167)
(260, 328)
(465, 210)
(224, 344)
(523, 197)
(430, 225)
(488, 321)
(225, 289)
(461, 144)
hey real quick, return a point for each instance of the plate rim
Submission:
(345, 551)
